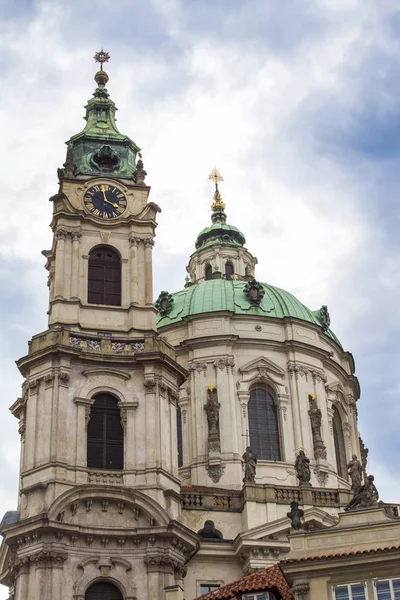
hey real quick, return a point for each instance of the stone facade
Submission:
(186, 386)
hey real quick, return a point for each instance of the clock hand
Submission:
(107, 201)
(112, 203)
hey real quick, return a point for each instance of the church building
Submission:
(164, 443)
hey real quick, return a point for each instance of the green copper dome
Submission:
(224, 295)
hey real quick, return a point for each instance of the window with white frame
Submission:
(350, 591)
(259, 596)
(208, 587)
(389, 589)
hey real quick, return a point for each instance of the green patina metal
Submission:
(223, 295)
(100, 149)
(220, 234)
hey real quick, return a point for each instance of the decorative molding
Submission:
(198, 367)
(150, 384)
(164, 303)
(224, 363)
(84, 344)
(61, 234)
(303, 370)
(215, 472)
(124, 347)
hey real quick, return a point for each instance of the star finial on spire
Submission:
(101, 57)
(216, 177)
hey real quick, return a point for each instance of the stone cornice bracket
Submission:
(76, 236)
(61, 234)
(161, 563)
(301, 591)
(124, 407)
(198, 367)
(87, 403)
(303, 370)
(134, 241)
(225, 362)
(150, 384)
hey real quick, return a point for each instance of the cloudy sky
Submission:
(297, 103)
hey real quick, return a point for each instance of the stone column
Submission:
(31, 420)
(227, 421)
(75, 274)
(282, 402)
(148, 271)
(22, 581)
(125, 287)
(298, 440)
(184, 406)
(59, 268)
(82, 420)
(330, 442)
(173, 435)
(67, 265)
(62, 435)
(128, 410)
(151, 422)
(243, 397)
(134, 242)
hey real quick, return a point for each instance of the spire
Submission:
(100, 148)
(218, 206)
(219, 233)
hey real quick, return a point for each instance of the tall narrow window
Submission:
(179, 436)
(103, 591)
(263, 425)
(340, 450)
(105, 436)
(208, 272)
(104, 280)
(228, 270)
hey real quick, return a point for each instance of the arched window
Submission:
(263, 425)
(228, 270)
(104, 279)
(105, 436)
(208, 272)
(179, 436)
(103, 591)
(340, 449)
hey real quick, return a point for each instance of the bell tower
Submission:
(99, 489)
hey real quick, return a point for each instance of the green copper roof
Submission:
(100, 148)
(220, 234)
(224, 295)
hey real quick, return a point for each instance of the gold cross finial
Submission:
(101, 57)
(216, 177)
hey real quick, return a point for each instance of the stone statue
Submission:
(302, 466)
(364, 457)
(355, 471)
(208, 532)
(366, 496)
(212, 409)
(295, 515)
(316, 418)
(250, 462)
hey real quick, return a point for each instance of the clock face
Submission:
(105, 201)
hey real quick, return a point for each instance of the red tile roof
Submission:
(271, 579)
(340, 555)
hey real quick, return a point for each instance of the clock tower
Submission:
(99, 490)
